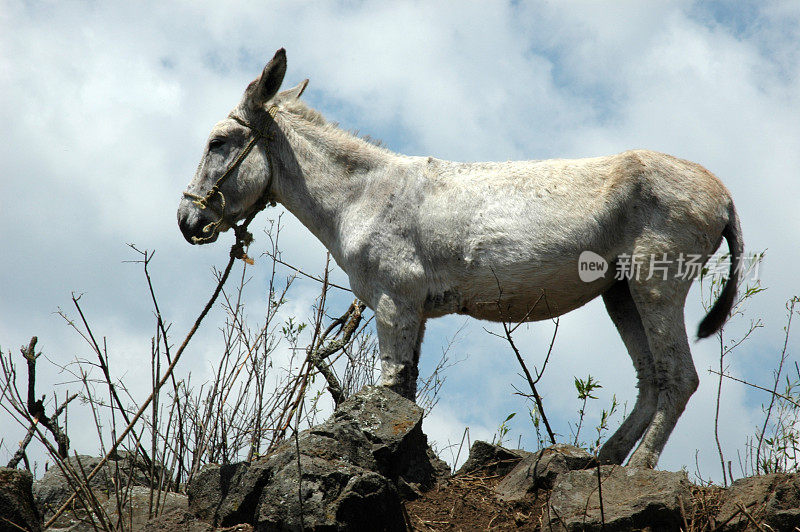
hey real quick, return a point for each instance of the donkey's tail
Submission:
(716, 317)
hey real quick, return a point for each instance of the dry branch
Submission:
(348, 323)
(20, 454)
(237, 251)
(36, 407)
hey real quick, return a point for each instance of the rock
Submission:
(752, 493)
(492, 459)
(178, 520)
(352, 472)
(633, 498)
(393, 426)
(136, 508)
(783, 505)
(211, 486)
(772, 500)
(441, 469)
(17, 508)
(540, 469)
(52, 490)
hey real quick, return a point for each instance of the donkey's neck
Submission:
(324, 171)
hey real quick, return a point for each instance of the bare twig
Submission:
(716, 410)
(237, 251)
(508, 330)
(749, 517)
(146, 258)
(274, 257)
(757, 387)
(536, 397)
(600, 497)
(19, 455)
(773, 394)
(531, 383)
(349, 322)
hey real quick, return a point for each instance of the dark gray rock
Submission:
(491, 459)
(441, 469)
(393, 427)
(123, 469)
(177, 520)
(783, 505)
(332, 494)
(539, 471)
(633, 498)
(772, 500)
(137, 509)
(750, 492)
(213, 485)
(352, 473)
(17, 508)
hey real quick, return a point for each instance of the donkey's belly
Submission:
(516, 301)
(538, 305)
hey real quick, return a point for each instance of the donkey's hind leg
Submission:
(660, 305)
(624, 314)
(400, 330)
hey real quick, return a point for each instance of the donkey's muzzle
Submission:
(196, 228)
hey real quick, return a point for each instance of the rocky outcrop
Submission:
(538, 471)
(565, 480)
(122, 470)
(772, 500)
(351, 472)
(369, 467)
(492, 459)
(17, 509)
(632, 498)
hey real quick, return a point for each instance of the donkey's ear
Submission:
(266, 86)
(295, 92)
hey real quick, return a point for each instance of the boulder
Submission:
(539, 470)
(182, 520)
(17, 508)
(783, 505)
(123, 469)
(178, 520)
(491, 459)
(772, 500)
(136, 507)
(350, 472)
(632, 498)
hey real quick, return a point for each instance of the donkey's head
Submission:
(236, 176)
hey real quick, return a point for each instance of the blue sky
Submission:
(107, 107)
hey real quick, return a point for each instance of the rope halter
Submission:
(204, 202)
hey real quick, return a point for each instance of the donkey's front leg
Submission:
(400, 329)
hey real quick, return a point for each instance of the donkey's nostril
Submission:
(186, 228)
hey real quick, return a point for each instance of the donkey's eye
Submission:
(213, 144)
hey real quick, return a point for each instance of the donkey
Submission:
(420, 237)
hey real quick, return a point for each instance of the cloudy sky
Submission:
(106, 107)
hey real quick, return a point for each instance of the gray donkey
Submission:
(421, 237)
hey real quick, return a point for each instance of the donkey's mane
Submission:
(298, 108)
